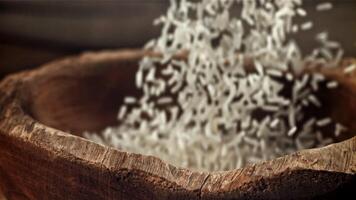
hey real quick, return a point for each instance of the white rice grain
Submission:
(314, 100)
(339, 129)
(165, 100)
(274, 72)
(301, 12)
(332, 84)
(292, 131)
(323, 122)
(306, 26)
(130, 100)
(324, 6)
(350, 69)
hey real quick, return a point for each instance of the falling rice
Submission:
(324, 6)
(307, 26)
(200, 111)
(332, 84)
(323, 122)
(292, 131)
(350, 69)
(130, 100)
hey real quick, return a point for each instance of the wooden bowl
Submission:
(42, 156)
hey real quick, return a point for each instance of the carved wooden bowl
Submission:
(42, 156)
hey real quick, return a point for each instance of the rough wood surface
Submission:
(40, 159)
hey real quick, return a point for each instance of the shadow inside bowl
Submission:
(84, 94)
(80, 95)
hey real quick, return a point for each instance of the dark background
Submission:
(33, 32)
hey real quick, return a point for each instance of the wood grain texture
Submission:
(41, 159)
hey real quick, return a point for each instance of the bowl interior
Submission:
(83, 98)
(86, 96)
